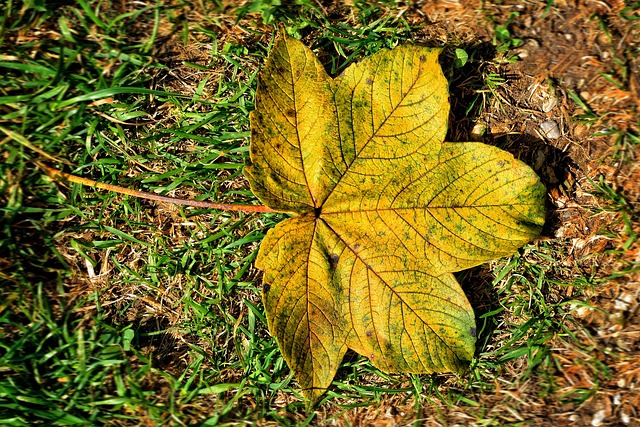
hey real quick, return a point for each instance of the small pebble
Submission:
(598, 418)
(550, 129)
(549, 104)
(624, 302)
(478, 131)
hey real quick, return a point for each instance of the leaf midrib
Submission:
(325, 213)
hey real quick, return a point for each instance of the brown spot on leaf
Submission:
(369, 81)
(333, 260)
(369, 333)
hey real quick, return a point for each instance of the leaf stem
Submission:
(59, 175)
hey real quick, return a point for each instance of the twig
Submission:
(59, 175)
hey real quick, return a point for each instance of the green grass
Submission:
(94, 351)
(118, 311)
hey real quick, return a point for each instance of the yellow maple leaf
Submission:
(382, 212)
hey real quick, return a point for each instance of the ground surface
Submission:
(122, 312)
